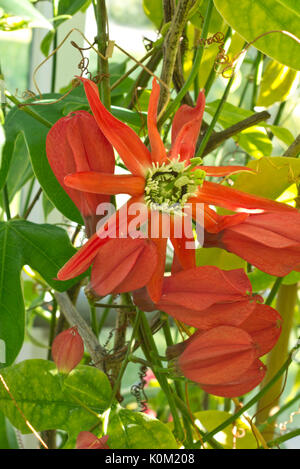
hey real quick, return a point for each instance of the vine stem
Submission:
(211, 126)
(102, 40)
(127, 357)
(151, 354)
(195, 68)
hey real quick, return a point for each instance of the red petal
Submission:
(232, 199)
(219, 171)
(183, 243)
(158, 152)
(264, 326)
(131, 149)
(103, 183)
(186, 128)
(75, 143)
(222, 314)
(115, 225)
(245, 383)
(155, 284)
(123, 265)
(217, 356)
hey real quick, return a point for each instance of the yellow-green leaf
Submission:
(277, 83)
(252, 19)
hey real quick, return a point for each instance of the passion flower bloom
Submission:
(67, 350)
(269, 240)
(162, 182)
(76, 143)
(87, 440)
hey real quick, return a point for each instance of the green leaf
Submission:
(45, 248)
(47, 404)
(7, 434)
(277, 83)
(34, 134)
(273, 176)
(253, 18)
(47, 206)
(134, 430)
(25, 10)
(20, 168)
(218, 257)
(260, 280)
(154, 11)
(211, 419)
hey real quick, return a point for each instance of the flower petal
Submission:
(131, 149)
(217, 356)
(219, 171)
(232, 199)
(115, 225)
(103, 183)
(158, 152)
(123, 265)
(186, 128)
(245, 383)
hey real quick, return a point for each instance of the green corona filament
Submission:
(169, 186)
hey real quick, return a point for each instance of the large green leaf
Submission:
(277, 83)
(48, 403)
(253, 18)
(273, 176)
(135, 430)
(45, 248)
(24, 9)
(154, 11)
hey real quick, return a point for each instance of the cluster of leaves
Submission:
(75, 404)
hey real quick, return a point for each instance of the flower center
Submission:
(169, 186)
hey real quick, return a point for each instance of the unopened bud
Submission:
(87, 440)
(67, 350)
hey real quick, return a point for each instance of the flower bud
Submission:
(67, 350)
(76, 144)
(87, 440)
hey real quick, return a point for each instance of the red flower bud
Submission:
(87, 440)
(76, 144)
(67, 350)
(217, 356)
(245, 383)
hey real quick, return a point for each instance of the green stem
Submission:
(215, 118)
(103, 67)
(54, 64)
(151, 353)
(281, 439)
(29, 111)
(52, 327)
(195, 68)
(126, 358)
(274, 291)
(6, 202)
(28, 196)
(94, 323)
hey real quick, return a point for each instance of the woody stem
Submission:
(102, 39)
